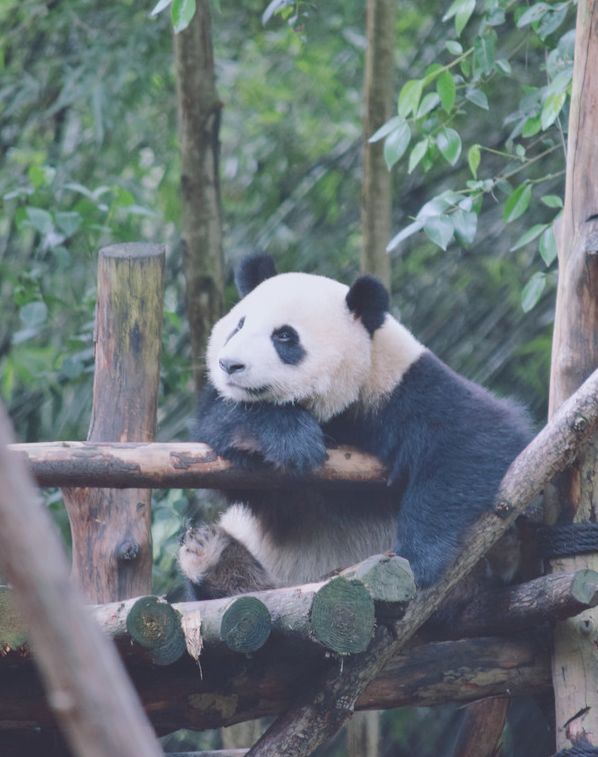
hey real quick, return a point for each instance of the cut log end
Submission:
(156, 626)
(246, 625)
(342, 616)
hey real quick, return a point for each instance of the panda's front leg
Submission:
(287, 437)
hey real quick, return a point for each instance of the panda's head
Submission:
(296, 337)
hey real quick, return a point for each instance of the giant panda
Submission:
(303, 362)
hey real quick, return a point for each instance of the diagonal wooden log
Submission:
(178, 464)
(85, 683)
(319, 713)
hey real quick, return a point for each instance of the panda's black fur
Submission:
(446, 442)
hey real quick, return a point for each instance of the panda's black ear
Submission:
(368, 300)
(252, 270)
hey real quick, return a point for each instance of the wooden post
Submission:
(112, 556)
(574, 357)
(86, 686)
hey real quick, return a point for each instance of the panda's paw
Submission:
(300, 451)
(200, 549)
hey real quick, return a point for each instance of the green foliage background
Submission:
(90, 156)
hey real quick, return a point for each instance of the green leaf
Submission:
(428, 103)
(531, 127)
(453, 47)
(462, 11)
(477, 97)
(553, 20)
(465, 223)
(33, 314)
(396, 143)
(68, 222)
(551, 109)
(449, 144)
(552, 201)
(504, 66)
(409, 97)
(447, 90)
(181, 14)
(532, 14)
(529, 236)
(484, 54)
(517, 203)
(159, 7)
(532, 291)
(474, 155)
(40, 219)
(386, 128)
(547, 247)
(439, 229)
(405, 233)
(418, 153)
(273, 8)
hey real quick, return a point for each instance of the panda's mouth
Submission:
(253, 391)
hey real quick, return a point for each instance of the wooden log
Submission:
(514, 608)
(324, 707)
(389, 581)
(574, 357)
(482, 728)
(180, 465)
(86, 686)
(213, 753)
(232, 688)
(242, 623)
(112, 555)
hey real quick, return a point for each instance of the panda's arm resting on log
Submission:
(303, 358)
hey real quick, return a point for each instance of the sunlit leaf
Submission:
(428, 103)
(532, 14)
(474, 156)
(159, 7)
(484, 54)
(418, 153)
(547, 247)
(273, 8)
(449, 144)
(517, 203)
(386, 128)
(409, 97)
(40, 219)
(551, 109)
(453, 47)
(551, 201)
(396, 143)
(477, 97)
(447, 90)
(529, 236)
(439, 229)
(465, 223)
(462, 11)
(181, 14)
(405, 233)
(531, 127)
(532, 291)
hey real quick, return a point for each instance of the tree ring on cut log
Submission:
(246, 625)
(156, 626)
(342, 616)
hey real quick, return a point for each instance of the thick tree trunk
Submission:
(378, 99)
(574, 357)
(86, 686)
(199, 123)
(482, 728)
(115, 562)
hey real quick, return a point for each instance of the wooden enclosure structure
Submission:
(309, 655)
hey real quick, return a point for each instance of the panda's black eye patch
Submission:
(237, 328)
(288, 345)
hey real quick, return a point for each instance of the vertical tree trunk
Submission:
(199, 123)
(378, 99)
(363, 734)
(574, 357)
(111, 528)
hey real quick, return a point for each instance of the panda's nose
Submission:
(230, 365)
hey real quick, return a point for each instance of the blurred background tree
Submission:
(88, 137)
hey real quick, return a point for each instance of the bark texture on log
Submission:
(574, 357)
(482, 728)
(115, 562)
(199, 124)
(86, 686)
(318, 714)
(180, 465)
(378, 97)
(231, 688)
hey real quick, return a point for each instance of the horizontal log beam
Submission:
(178, 465)
(232, 688)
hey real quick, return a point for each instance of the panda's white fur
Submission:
(342, 365)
